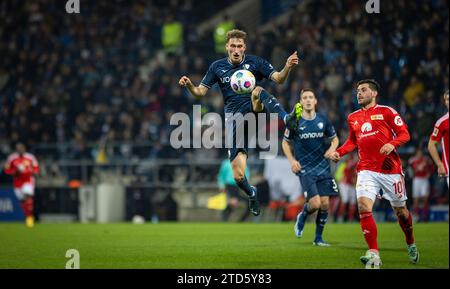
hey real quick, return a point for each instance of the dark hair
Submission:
(236, 33)
(306, 90)
(373, 84)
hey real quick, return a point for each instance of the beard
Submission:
(365, 102)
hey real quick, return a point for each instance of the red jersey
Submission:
(22, 167)
(422, 166)
(369, 130)
(350, 172)
(440, 134)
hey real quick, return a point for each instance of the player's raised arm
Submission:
(196, 91)
(281, 76)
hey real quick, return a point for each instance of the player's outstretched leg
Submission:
(272, 105)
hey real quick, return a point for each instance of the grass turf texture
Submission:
(213, 245)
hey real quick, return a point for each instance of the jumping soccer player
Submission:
(377, 130)
(220, 72)
(306, 151)
(23, 166)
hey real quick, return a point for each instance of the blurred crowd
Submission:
(98, 78)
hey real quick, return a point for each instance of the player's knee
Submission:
(238, 176)
(314, 205)
(363, 208)
(324, 205)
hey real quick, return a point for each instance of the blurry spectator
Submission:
(422, 168)
(413, 91)
(347, 189)
(220, 33)
(172, 36)
(65, 76)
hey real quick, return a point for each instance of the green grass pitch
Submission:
(213, 245)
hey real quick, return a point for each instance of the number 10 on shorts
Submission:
(399, 188)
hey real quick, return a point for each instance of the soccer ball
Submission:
(242, 81)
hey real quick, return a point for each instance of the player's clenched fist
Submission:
(386, 149)
(334, 156)
(184, 81)
(292, 60)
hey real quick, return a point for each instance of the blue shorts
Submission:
(323, 185)
(234, 128)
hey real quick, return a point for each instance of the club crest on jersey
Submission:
(398, 120)
(377, 117)
(246, 66)
(366, 127)
(320, 125)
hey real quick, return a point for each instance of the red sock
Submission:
(369, 229)
(407, 228)
(27, 207)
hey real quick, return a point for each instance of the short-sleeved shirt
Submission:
(369, 130)
(221, 71)
(440, 134)
(310, 145)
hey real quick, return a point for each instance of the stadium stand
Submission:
(97, 87)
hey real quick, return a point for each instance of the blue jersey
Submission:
(221, 71)
(310, 146)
